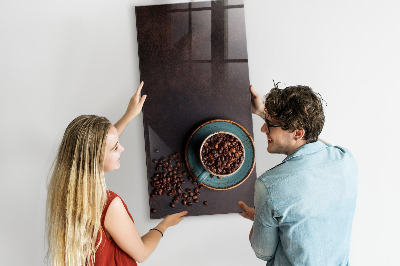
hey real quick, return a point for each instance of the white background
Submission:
(60, 59)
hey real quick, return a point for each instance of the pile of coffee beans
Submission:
(169, 180)
(222, 154)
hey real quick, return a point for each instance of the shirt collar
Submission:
(306, 149)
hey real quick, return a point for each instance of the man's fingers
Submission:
(243, 214)
(253, 92)
(243, 205)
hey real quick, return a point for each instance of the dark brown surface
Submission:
(193, 60)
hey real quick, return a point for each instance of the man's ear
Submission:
(299, 134)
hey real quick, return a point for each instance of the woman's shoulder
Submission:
(116, 203)
(111, 195)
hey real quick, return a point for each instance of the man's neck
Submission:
(297, 145)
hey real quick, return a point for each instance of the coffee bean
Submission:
(206, 203)
(156, 150)
(195, 200)
(169, 180)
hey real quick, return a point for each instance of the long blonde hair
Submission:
(77, 193)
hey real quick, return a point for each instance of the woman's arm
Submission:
(122, 229)
(134, 108)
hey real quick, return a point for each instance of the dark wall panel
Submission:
(193, 60)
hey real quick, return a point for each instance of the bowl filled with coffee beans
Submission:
(220, 132)
(221, 154)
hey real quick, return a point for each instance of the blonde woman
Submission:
(87, 224)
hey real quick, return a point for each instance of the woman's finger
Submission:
(181, 214)
(142, 100)
(139, 89)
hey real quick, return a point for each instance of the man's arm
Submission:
(264, 236)
(247, 213)
(257, 105)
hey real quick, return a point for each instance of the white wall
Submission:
(59, 59)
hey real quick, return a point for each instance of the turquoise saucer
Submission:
(192, 152)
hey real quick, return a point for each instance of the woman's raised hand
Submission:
(134, 108)
(136, 103)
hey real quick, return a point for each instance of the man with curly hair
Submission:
(304, 206)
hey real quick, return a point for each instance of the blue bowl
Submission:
(195, 166)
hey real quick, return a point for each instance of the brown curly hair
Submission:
(297, 107)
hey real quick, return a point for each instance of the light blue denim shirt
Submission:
(305, 208)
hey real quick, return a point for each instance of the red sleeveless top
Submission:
(108, 253)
